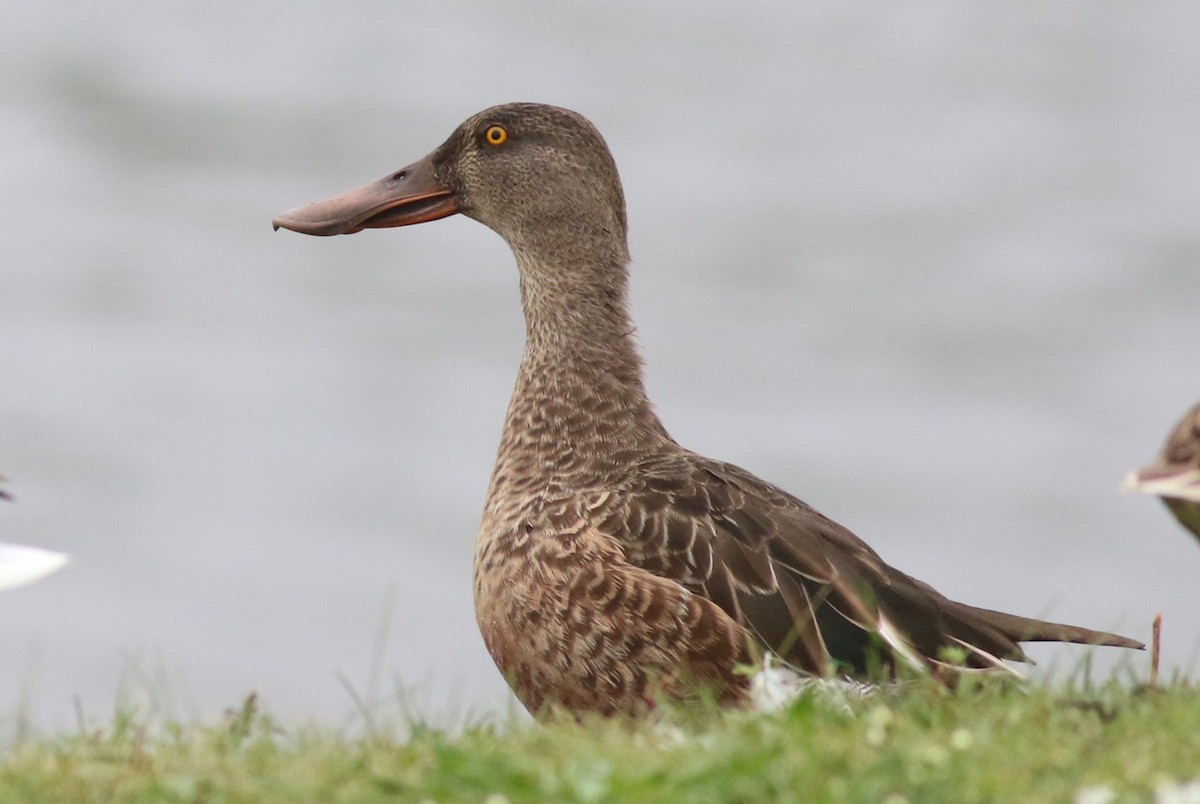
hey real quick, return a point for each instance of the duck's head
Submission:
(520, 169)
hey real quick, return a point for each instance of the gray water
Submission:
(935, 269)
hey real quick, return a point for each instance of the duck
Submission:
(615, 568)
(1174, 475)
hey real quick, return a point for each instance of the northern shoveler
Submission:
(1175, 473)
(613, 565)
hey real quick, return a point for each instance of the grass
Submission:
(919, 742)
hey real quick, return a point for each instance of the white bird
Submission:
(20, 565)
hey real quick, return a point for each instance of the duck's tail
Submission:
(1015, 629)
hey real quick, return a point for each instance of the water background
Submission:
(935, 269)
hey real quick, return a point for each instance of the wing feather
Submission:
(807, 588)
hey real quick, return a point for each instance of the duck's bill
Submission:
(411, 195)
(1179, 484)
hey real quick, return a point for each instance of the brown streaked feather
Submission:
(796, 580)
(576, 626)
(612, 565)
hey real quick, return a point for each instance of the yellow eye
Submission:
(496, 135)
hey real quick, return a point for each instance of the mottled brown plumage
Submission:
(1175, 473)
(614, 566)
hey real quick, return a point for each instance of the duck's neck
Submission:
(579, 414)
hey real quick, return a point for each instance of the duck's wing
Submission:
(808, 589)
